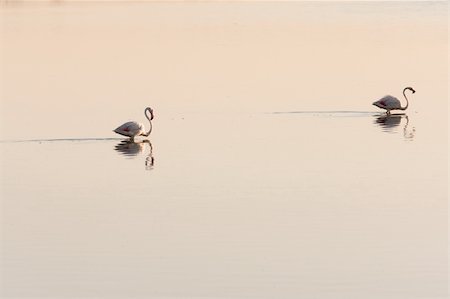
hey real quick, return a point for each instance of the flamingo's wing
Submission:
(130, 128)
(388, 102)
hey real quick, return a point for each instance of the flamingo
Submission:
(392, 103)
(132, 129)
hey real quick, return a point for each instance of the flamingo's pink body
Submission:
(130, 129)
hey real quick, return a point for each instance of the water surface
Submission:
(268, 173)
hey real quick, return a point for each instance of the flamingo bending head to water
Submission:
(392, 103)
(132, 129)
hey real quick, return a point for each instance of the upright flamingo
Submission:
(392, 103)
(132, 129)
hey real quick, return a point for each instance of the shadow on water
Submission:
(390, 124)
(132, 149)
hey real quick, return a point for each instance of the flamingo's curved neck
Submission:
(407, 103)
(149, 120)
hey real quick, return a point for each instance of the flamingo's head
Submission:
(410, 88)
(151, 112)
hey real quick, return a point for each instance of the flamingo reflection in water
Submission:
(389, 122)
(131, 148)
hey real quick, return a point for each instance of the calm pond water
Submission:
(268, 173)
